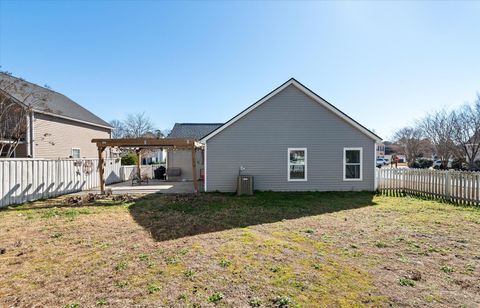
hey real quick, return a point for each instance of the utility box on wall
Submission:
(244, 185)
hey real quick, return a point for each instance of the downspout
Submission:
(32, 134)
(28, 137)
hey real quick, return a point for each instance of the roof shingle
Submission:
(193, 130)
(53, 102)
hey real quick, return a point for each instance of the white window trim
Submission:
(345, 163)
(288, 164)
(79, 150)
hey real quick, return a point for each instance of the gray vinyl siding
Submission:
(259, 141)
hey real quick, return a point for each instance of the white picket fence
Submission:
(23, 180)
(458, 187)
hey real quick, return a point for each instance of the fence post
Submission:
(447, 185)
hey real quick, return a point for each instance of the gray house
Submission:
(291, 140)
(182, 159)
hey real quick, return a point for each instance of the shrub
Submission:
(129, 159)
(421, 163)
(459, 164)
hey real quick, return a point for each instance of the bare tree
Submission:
(466, 132)
(17, 102)
(438, 128)
(410, 141)
(137, 125)
(13, 125)
(118, 130)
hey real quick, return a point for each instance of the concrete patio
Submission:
(153, 186)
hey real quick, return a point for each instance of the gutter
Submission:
(72, 119)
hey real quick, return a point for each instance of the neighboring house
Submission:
(473, 146)
(380, 150)
(182, 158)
(57, 126)
(291, 140)
(154, 157)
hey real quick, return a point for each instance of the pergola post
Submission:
(139, 163)
(194, 169)
(101, 170)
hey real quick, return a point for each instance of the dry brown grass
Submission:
(311, 249)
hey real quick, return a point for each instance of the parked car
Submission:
(381, 162)
(438, 163)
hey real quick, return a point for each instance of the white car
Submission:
(381, 162)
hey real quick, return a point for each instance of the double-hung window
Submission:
(75, 153)
(297, 164)
(352, 164)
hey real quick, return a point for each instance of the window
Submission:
(297, 164)
(75, 153)
(352, 164)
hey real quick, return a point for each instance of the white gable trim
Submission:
(306, 91)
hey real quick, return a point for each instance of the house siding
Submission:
(259, 141)
(183, 159)
(55, 137)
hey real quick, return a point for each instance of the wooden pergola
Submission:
(142, 143)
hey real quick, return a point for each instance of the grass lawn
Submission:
(271, 249)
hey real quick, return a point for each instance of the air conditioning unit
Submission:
(245, 185)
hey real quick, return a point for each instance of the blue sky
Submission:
(383, 63)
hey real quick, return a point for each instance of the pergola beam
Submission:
(180, 143)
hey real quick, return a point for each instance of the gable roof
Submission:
(309, 93)
(193, 130)
(47, 101)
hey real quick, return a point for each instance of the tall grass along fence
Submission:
(458, 187)
(23, 180)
